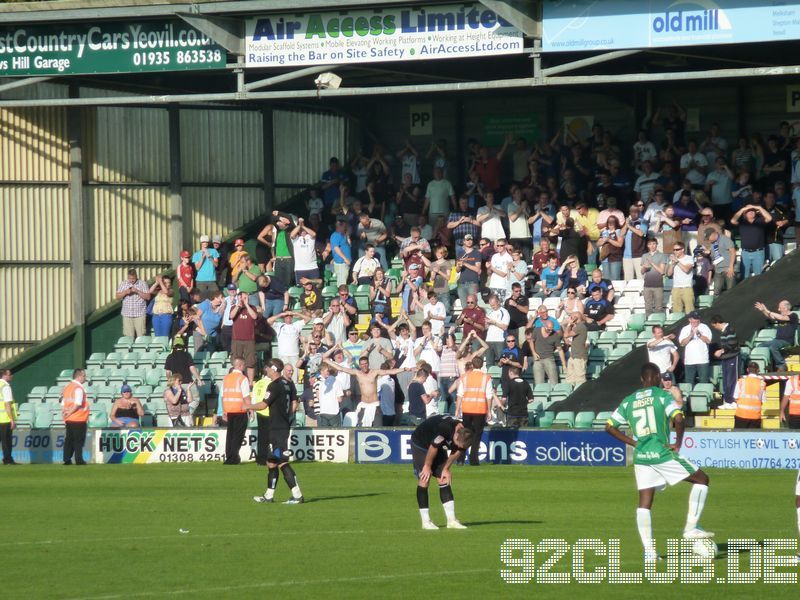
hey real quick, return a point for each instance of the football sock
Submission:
(272, 482)
(645, 526)
(697, 499)
(446, 493)
(425, 514)
(291, 480)
(422, 498)
(449, 510)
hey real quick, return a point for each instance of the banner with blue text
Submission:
(379, 35)
(580, 25)
(523, 447)
(743, 449)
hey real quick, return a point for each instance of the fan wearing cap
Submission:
(205, 263)
(127, 410)
(185, 274)
(668, 383)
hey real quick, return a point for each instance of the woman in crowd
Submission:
(573, 276)
(189, 324)
(162, 294)
(177, 401)
(380, 294)
(612, 238)
(127, 410)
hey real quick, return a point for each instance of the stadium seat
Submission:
(565, 419)
(54, 392)
(541, 391)
(704, 301)
(142, 343)
(560, 391)
(628, 336)
(673, 318)
(159, 344)
(218, 359)
(154, 376)
(64, 377)
(655, 319)
(142, 392)
(112, 360)
(698, 403)
(147, 359)
(600, 419)
(362, 290)
(37, 394)
(362, 303)
(545, 420)
(98, 419)
(96, 360)
(43, 418)
(163, 420)
(329, 291)
(129, 359)
(584, 419)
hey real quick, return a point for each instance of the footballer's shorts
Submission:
(279, 446)
(663, 474)
(418, 456)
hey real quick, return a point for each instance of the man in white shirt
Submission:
(436, 313)
(661, 351)
(646, 182)
(373, 231)
(695, 338)
(681, 269)
(694, 165)
(287, 335)
(440, 197)
(305, 253)
(386, 399)
(497, 321)
(365, 267)
(498, 269)
(329, 399)
(428, 347)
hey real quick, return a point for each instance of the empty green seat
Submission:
(584, 419)
(147, 359)
(636, 322)
(545, 420)
(129, 359)
(218, 359)
(37, 394)
(98, 419)
(600, 419)
(329, 291)
(43, 418)
(627, 337)
(656, 319)
(566, 418)
(698, 403)
(54, 392)
(96, 359)
(142, 342)
(705, 301)
(64, 377)
(112, 360)
(541, 391)
(123, 344)
(560, 391)
(362, 290)
(159, 343)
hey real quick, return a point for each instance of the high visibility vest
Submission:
(259, 389)
(474, 400)
(748, 403)
(82, 414)
(794, 397)
(232, 400)
(3, 414)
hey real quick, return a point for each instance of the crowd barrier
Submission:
(721, 449)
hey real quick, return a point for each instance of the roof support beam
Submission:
(526, 82)
(588, 62)
(23, 82)
(525, 15)
(228, 33)
(262, 83)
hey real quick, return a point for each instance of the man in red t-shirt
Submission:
(473, 318)
(243, 336)
(488, 167)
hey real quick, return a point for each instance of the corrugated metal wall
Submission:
(37, 301)
(304, 143)
(218, 210)
(35, 223)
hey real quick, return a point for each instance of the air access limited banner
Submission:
(116, 446)
(379, 35)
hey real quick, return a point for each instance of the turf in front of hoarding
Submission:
(131, 531)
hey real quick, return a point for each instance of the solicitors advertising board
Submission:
(580, 25)
(379, 35)
(113, 47)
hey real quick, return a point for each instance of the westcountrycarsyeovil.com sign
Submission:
(106, 48)
(580, 25)
(364, 36)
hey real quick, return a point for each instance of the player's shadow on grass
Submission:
(501, 522)
(347, 497)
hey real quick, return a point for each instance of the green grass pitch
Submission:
(112, 531)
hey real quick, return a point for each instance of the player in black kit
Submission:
(429, 444)
(279, 400)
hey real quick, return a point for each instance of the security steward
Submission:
(75, 410)
(235, 393)
(473, 403)
(749, 395)
(8, 415)
(791, 398)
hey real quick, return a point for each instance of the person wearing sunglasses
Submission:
(681, 269)
(511, 356)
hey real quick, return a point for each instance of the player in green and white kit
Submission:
(656, 462)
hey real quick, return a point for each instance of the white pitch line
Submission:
(301, 582)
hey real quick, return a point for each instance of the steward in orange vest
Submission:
(75, 410)
(473, 403)
(791, 398)
(749, 396)
(235, 394)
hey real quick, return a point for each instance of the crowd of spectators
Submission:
(558, 219)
